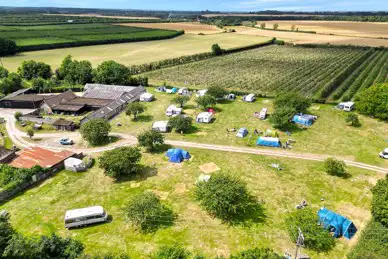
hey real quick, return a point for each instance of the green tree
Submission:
(38, 84)
(257, 253)
(181, 124)
(352, 120)
(135, 108)
(7, 47)
(281, 117)
(10, 84)
(223, 196)
(293, 100)
(21, 247)
(147, 213)
(206, 101)
(373, 101)
(335, 167)
(111, 72)
(3, 72)
(275, 26)
(6, 233)
(315, 236)
(262, 25)
(171, 252)
(30, 131)
(17, 115)
(57, 247)
(380, 201)
(75, 72)
(181, 100)
(150, 138)
(96, 131)
(217, 92)
(32, 69)
(119, 161)
(217, 50)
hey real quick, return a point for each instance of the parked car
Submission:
(66, 141)
(384, 154)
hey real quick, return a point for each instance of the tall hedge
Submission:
(7, 47)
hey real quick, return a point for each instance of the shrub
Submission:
(150, 138)
(7, 47)
(380, 201)
(352, 120)
(11, 177)
(10, 84)
(315, 236)
(123, 160)
(6, 232)
(335, 167)
(181, 124)
(223, 196)
(146, 212)
(135, 108)
(216, 50)
(373, 101)
(3, 72)
(256, 253)
(96, 131)
(111, 73)
(206, 101)
(17, 115)
(171, 252)
(30, 131)
(32, 69)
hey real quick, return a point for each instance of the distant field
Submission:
(137, 52)
(300, 38)
(275, 69)
(363, 29)
(106, 16)
(189, 27)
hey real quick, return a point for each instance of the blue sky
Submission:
(214, 5)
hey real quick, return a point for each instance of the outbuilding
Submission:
(204, 117)
(250, 98)
(146, 97)
(161, 126)
(172, 110)
(62, 124)
(268, 142)
(241, 133)
(75, 165)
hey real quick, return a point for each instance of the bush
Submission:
(119, 161)
(257, 253)
(216, 50)
(10, 84)
(11, 178)
(171, 252)
(315, 236)
(373, 101)
(30, 131)
(6, 233)
(96, 131)
(181, 124)
(135, 108)
(17, 115)
(335, 167)
(380, 201)
(111, 73)
(7, 47)
(223, 196)
(3, 72)
(146, 212)
(206, 101)
(32, 69)
(150, 138)
(352, 120)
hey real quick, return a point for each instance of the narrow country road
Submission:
(18, 139)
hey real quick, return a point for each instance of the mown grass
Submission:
(329, 135)
(41, 210)
(5, 140)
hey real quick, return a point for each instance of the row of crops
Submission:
(321, 73)
(68, 34)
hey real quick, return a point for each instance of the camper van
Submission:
(204, 117)
(250, 98)
(263, 114)
(172, 110)
(85, 216)
(384, 154)
(347, 106)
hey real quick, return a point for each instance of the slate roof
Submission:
(60, 98)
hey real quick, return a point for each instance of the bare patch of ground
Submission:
(209, 168)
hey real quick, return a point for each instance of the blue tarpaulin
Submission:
(177, 155)
(337, 223)
(268, 142)
(304, 119)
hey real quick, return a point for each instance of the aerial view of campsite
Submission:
(194, 129)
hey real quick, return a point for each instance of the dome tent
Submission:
(341, 225)
(177, 155)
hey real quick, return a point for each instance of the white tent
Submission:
(172, 110)
(183, 91)
(146, 97)
(201, 93)
(204, 117)
(75, 164)
(161, 126)
(249, 98)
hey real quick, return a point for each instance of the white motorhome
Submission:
(263, 114)
(85, 216)
(249, 98)
(204, 117)
(172, 110)
(347, 106)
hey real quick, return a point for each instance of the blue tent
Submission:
(174, 90)
(268, 142)
(304, 119)
(177, 155)
(341, 225)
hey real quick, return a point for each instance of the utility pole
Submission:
(299, 242)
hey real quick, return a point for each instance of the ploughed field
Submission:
(25, 36)
(314, 72)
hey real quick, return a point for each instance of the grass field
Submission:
(106, 16)
(329, 135)
(362, 29)
(188, 27)
(137, 52)
(41, 209)
(273, 69)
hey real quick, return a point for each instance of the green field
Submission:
(135, 53)
(273, 69)
(329, 134)
(40, 210)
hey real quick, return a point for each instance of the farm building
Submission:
(304, 119)
(250, 98)
(62, 124)
(177, 155)
(172, 110)
(204, 117)
(268, 142)
(146, 97)
(201, 93)
(241, 133)
(23, 101)
(340, 225)
(6, 155)
(161, 126)
(75, 165)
